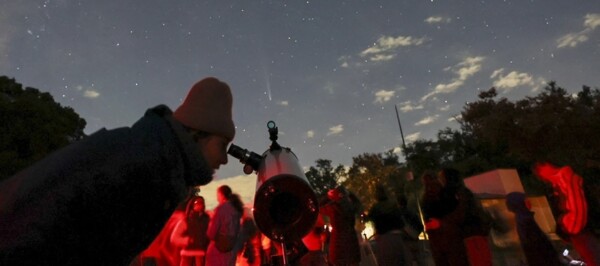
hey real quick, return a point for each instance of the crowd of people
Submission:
(227, 235)
(453, 221)
(223, 236)
(458, 227)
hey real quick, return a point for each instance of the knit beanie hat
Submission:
(207, 108)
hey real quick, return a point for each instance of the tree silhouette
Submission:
(553, 126)
(324, 177)
(370, 169)
(33, 125)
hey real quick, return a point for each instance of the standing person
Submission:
(343, 244)
(476, 223)
(387, 219)
(248, 246)
(162, 252)
(570, 200)
(224, 228)
(535, 244)
(411, 231)
(314, 241)
(102, 200)
(443, 219)
(190, 233)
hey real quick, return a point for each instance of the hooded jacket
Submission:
(101, 200)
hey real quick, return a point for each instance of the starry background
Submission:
(329, 73)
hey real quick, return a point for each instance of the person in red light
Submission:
(190, 233)
(248, 246)
(343, 244)
(446, 242)
(162, 252)
(476, 223)
(314, 241)
(465, 221)
(572, 204)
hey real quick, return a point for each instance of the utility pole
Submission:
(410, 176)
(400, 126)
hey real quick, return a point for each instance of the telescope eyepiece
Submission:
(246, 157)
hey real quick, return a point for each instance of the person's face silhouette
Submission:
(214, 149)
(198, 205)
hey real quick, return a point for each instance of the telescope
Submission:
(285, 205)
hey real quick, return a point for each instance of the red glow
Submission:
(568, 185)
(161, 250)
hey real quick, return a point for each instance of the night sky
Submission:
(329, 73)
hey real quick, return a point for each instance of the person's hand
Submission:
(432, 224)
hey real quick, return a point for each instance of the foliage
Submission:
(494, 133)
(553, 126)
(370, 169)
(324, 177)
(497, 133)
(33, 125)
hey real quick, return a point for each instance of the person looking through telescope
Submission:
(103, 199)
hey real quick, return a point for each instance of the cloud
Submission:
(591, 21)
(511, 80)
(91, 94)
(383, 96)
(496, 73)
(541, 82)
(335, 130)
(382, 57)
(385, 47)
(413, 137)
(87, 92)
(437, 19)
(329, 87)
(310, 134)
(409, 106)
(469, 67)
(449, 87)
(572, 39)
(464, 70)
(427, 120)
(347, 61)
